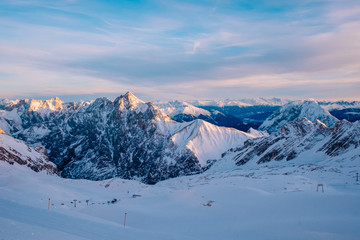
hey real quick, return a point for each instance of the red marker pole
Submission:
(49, 204)
(125, 220)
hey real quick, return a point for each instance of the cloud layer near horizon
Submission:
(180, 49)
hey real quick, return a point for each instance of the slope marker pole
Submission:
(49, 204)
(125, 220)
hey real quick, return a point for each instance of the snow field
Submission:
(237, 204)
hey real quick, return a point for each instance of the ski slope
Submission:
(265, 203)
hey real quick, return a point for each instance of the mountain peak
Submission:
(52, 104)
(128, 101)
(131, 97)
(297, 110)
(129, 94)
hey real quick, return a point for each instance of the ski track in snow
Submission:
(248, 203)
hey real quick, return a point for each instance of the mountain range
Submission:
(132, 139)
(126, 138)
(251, 113)
(302, 140)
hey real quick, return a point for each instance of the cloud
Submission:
(266, 48)
(195, 47)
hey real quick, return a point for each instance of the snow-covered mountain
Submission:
(306, 141)
(251, 113)
(292, 111)
(175, 108)
(208, 141)
(339, 105)
(185, 112)
(125, 138)
(246, 102)
(16, 151)
(239, 117)
(239, 114)
(285, 184)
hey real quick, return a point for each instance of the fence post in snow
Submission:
(125, 220)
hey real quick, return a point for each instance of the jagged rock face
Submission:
(13, 150)
(119, 142)
(345, 136)
(294, 111)
(125, 138)
(299, 137)
(116, 139)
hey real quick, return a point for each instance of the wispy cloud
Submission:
(205, 48)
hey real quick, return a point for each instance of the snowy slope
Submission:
(292, 111)
(16, 151)
(208, 141)
(268, 203)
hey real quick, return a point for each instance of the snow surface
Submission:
(265, 203)
(20, 148)
(16, 151)
(208, 141)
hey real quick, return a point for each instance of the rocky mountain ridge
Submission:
(16, 151)
(133, 139)
(126, 138)
(302, 140)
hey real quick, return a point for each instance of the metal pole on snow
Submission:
(125, 220)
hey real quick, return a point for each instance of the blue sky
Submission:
(167, 49)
